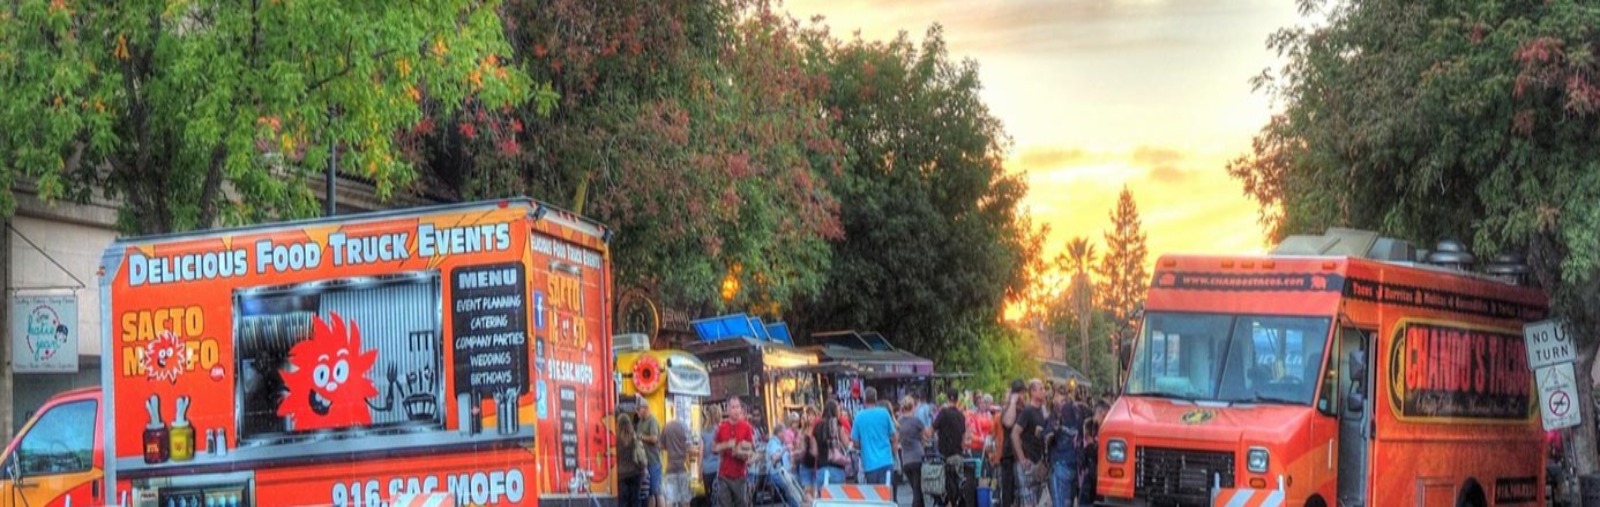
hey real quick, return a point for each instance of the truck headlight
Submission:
(1256, 460)
(1116, 451)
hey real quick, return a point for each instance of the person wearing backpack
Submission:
(913, 437)
(1066, 425)
(949, 429)
(832, 455)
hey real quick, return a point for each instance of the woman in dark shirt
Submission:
(806, 464)
(827, 435)
(629, 470)
(1088, 457)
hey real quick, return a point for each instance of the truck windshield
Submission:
(1229, 358)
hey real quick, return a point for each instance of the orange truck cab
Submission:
(56, 459)
(457, 354)
(1336, 371)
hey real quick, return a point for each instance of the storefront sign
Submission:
(44, 334)
(1448, 372)
(897, 369)
(685, 379)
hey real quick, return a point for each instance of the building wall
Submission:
(40, 237)
(75, 236)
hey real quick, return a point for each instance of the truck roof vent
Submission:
(631, 342)
(1451, 253)
(1339, 241)
(1392, 250)
(1508, 267)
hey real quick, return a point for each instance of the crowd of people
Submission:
(1039, 442)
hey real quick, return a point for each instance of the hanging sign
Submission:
(44, 334)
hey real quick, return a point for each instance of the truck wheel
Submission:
(1471, 495)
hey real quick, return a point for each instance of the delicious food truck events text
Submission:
(342, 249)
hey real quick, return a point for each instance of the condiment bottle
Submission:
(181, 436)
(155, 434)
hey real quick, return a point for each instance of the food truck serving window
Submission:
(382, 370)
(1230, 358)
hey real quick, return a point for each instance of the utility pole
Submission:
(7, 396)
(329, 199)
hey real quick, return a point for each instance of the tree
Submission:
(934, 244)
(994, 354)
(195, 112)
(691, 127)
(1080, 255)
(1122, 271)
(1467, 118)
(1101, 369)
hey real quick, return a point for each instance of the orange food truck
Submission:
(459, 351)
(1336, 371)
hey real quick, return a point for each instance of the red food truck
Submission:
(1338, 371)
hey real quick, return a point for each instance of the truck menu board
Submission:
(491, 330)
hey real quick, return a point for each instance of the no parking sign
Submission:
(1550, 354)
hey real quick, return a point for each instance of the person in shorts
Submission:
(675, 441)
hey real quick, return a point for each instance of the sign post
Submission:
(1551, 353)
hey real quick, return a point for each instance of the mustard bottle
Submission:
(181, 436)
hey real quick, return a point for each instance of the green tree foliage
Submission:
(692, 127)
(1467, 118)
(1077, 259)
(995, 354)
(198, 111)
(1099, 366)
(1122, 271)
(934, 243)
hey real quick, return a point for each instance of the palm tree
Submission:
(1080, 255)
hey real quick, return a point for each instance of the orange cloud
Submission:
(1187, 202)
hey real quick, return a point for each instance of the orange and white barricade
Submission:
(854, 495)
(1246, 497)
(424, 500)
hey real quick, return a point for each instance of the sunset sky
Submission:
(1097, 94)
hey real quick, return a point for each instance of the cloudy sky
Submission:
(1098, 94)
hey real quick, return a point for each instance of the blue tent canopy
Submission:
(780, 333)
(723, 327)
(739, 325)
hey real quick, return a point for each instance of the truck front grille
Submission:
(1180, 476)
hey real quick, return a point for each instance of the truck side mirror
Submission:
(1355, 403)
(1125, 355)
(1356, 400)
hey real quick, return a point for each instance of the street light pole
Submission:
(329, 199)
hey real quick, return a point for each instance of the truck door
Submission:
(1355, 428)
(53, 461)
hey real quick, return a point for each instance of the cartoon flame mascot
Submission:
(327, 378)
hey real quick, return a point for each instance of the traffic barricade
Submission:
(1245, 497)
(424, 500)
(855, 495)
